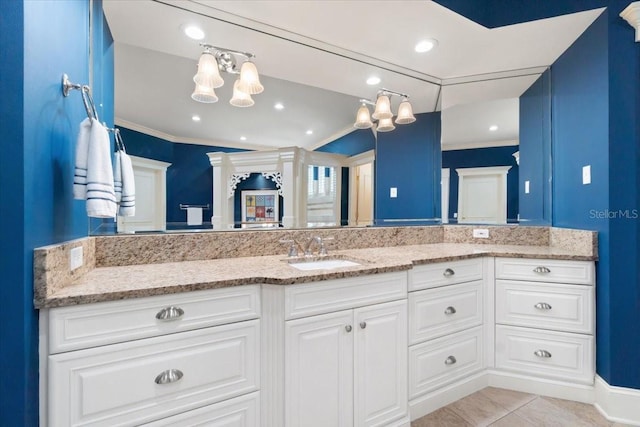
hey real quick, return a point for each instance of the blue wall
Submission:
(356, 142)
(483, 157)
(38, 42)
(408, 159)
(190, 176)
(535, 153)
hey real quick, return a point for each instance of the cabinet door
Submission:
(380, 363)
(319, 370)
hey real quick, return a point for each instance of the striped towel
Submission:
(82, 150)
(125, 187)
(101, 198)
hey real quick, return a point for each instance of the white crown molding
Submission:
(632, 15)
(473, 145)
(183, 140)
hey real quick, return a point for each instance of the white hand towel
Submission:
(82, 151)
(128, 198)
(101, 199)
(194, 216)
(117, 176)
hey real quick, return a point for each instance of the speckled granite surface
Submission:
(122, 267)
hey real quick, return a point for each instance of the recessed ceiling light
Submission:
(493, 128)
(426, 45)
(279, 106)
(195, 118)
(243, 138)
(309, 132)
(193, 32)
(373, 80)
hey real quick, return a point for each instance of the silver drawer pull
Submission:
(450, 360)
(448, 272)
(169, 376)
(348, 328)
(363, 325)
(170, 313)
(450, 310)
(541, 270)
(543, 306)
(542, 353)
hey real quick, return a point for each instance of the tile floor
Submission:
(497, 407)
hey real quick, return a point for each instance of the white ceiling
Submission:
(328, 48)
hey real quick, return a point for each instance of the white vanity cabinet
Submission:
(163, 360)
(339, 353)
(445, 324)
(545, 318)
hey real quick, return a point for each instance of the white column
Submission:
(288, 188)
(219, 209)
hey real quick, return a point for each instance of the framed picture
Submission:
(260, 208)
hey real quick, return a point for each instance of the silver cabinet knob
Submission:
(541, 270)
(448, 272)
(450, 360)
(450, 310)
(542, 353)
(363, 325)
(169, 376)
(348, 328)
(170, 313)
(543, 306)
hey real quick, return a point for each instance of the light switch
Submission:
(393, 193)
(586, 174)
(526, 187)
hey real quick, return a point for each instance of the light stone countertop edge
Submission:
(137, 281)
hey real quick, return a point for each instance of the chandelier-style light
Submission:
(212, 61)
(382, 112)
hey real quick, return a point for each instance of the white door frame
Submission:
(353, 162)
(465, 175)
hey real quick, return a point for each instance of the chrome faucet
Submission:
(322, 250)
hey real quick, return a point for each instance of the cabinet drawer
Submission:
(437, 312)
(119, 384)
(443, 360)
(566, 308)
(445, 273)
(91, 325)
(243, 411)
(334, 295)
(546, 270)
(549, 354)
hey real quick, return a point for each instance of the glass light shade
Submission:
(249, 79)
(383, 108)
(385, 125)
(204, 94)
(240, 98)
(363, 119)
(208, 73)
(405, 113)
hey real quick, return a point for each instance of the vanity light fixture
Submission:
(383, 112)
(215, 59)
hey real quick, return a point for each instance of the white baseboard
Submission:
(617, 404)
(430, 402)
(541, 386)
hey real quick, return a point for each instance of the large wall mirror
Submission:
(314, 59)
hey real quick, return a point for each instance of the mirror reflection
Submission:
(314, 80)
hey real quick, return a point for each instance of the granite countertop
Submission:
(133, 281)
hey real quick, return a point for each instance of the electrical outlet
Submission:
(393, 192)
(75, 258)
(586, 174)
(526, 187)
(481, 233)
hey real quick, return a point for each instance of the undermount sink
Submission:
(321, 264)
